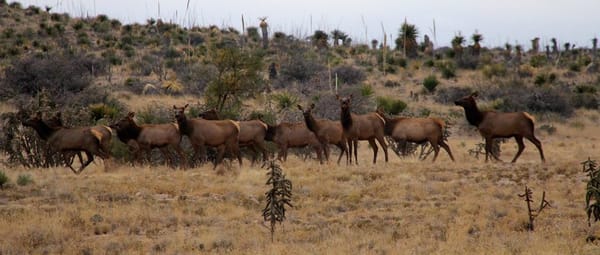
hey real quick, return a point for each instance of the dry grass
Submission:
(404, 206)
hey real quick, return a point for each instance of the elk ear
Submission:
(475, 94)
(186, 105)
(300, 107)
(312, 106)
(131, 114)
(337, 96)
(350, 96)
(38, 114)
(174, 107)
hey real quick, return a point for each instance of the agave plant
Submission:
(407, 39)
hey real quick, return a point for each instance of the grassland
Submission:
(404, 206)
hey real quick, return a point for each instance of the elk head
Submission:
(180, 113)
(124, 123)
(345, 102)
(34, 121)
(211, 114)
(467, 100)
(55, 121)
(308, 110)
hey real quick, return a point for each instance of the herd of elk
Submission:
(220, 134)
(417, 130)
(356, 127)
(228, 136)
(327, 132)
(252, 133)
(144, 138)
(68, 140)
(500, 125)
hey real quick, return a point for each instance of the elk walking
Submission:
(493, 124)
(417, 130)
(222, 134)
(293, 135)
(252, 133)
(69, 140)
(144, 138)
(327, 132)
(368, 127)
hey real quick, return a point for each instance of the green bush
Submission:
(390, 105)
(494, 70)
(538, 61)
(285, 100)
(367, 90)
(431, 82)
(447, 68)
(99, 111)
(24, 179)
(3, 179)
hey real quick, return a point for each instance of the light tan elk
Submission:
(69, 140)
(417, 130)
(500, 125)
(252, 133)
(221, 134)
(368, 127)
(144, 138)
(327, 132)
(293, 135)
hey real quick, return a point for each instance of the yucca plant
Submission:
(407, 40)
(457, 45)
(507, 51)
(319, 39)
(338, 35)
(594, 48)
(374, 44)
(265, 33)
(554, 45)
(477, 38)
(535, 45)
(592, 195)
(278, 197)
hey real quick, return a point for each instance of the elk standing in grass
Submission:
(500, 125)
(327, 132)
(417, 130)
(144, 138)
(69, 140)
(252, 133)
(293, 135)
(368, 126)
(222, 134)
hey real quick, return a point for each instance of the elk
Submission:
(417, 130)
(327, 132)
(252, 133)
(293, 135)
(368, 127)
(69, 140)
(106, 132)
(493, 124)
(144, 138)
(222, 134)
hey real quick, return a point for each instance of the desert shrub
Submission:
(468, 62)
(538, 61)
(525, 71)
(447, 95)
(195, 76)
(513, 96)
(111, 56)
(285, 101)
(349, 74)
(429, 63)
(390, 105)
(447, 68)
(15, 5)
(24, 179)
(3, 179)
(102, 110)
(155, 114)
(584, 100)
(430, 83)
(59, 74)
(494, 70)
(300, 67)
(391, 84)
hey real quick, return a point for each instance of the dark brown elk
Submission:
(105, 131)
(69, 140)
(144, 138)
(493, 124)
(327, 132)
(293, 135)
(221, 134)
(252, 133)
(417, 130)
(368, 127)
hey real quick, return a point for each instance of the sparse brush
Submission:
(24, 179)
(533, 213)
(3, 179)
(277, 197)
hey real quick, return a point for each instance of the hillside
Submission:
(95, 70)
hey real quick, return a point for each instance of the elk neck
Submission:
(43, 130)
(346, 118)
(311, 123)
(184, 125)
(474, 116)
(130, 133)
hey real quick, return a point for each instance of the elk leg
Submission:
(374, 148)
(436, 150)
(355, 145)
(537, 144)
(90, 159)
(235, 149)
(325, 147)
(319, 151)
(342, 151)
(521, 145)
(381, 141)
(220, 153)
(263, 150)
(488, 148)
(168, 159)
(349, 152)
(182, 156)
(447, 148)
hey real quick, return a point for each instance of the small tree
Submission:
(407, 40)
(319, 39)
(277, 197)
(477, 38)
